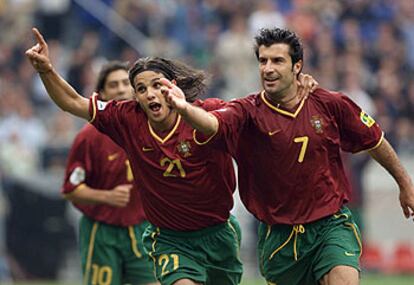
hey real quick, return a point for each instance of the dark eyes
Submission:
(143, 88)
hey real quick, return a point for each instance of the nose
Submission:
(268, 68)
(151, 94)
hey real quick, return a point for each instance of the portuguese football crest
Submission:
(184, 147)
(317, 124)
(366, 119)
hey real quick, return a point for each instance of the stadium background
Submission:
(363, 47)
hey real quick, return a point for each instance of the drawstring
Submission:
(297, 229)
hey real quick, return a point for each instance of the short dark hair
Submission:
(106, 69)
(267, 37)
(192, 81)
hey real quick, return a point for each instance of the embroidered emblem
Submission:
(101, 105)
(113, 156)
(274, 132)
(317, 124)
(366, 119)
(77, 176)
(184, 147)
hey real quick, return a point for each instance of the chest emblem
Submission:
(317, 124)
(184, 148)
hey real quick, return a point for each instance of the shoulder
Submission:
(328, 97)
(252, 100)
(86, 134)
(126, 105)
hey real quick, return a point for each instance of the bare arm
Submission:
(385, 155)
(117, 197)
(58, 89)
(200, 119)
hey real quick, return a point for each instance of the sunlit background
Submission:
(364, 48)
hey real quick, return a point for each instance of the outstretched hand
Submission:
(407, 201)
(306, 85)
(38, 54)
(173, 95)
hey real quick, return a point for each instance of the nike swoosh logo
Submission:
(274, 132)
(113, 156)
(146, 149)
(349, 253)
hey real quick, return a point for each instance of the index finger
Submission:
(166, 82)
(39, 37)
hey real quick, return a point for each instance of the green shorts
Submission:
(303, 254)
(113, 255)
(209, 256)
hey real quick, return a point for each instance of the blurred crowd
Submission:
(361, 47)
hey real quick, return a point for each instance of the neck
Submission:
(166, 124)
(286, 98)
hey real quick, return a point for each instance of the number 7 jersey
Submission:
(289, 162)
(183, 186)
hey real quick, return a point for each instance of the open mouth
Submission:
(155, 107)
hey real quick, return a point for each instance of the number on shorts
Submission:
(163, 261)
(101, 275)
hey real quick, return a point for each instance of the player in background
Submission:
(99, 182)
(186, 190)
(291, 176)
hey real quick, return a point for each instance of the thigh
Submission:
(223, 255)
(287, 252)
(137, 266)
(341, 246)
(101, 263)
(174, 258)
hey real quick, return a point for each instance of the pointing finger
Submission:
(39, 37)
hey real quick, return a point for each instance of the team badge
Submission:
(366, 119)
(317, 124)
(184, 147)
(77, 176)
(101, 105)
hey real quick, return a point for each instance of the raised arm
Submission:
(200, 119)
(58, 89)
(385, 155)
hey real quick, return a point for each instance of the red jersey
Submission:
(184, 186)
(95, 160)
(289, 163)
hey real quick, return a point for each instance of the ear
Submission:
(174, 82)
(297, 67)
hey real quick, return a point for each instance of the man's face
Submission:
(117, 86)
(275, 67)
(147, 87)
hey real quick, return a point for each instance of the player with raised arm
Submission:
(186, 190)
(291, 175)
(99, 183)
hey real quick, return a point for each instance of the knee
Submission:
(341, 275)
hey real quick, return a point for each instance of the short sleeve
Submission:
(77, 165)
(358, 130)
(107, 117)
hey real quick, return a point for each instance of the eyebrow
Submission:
(155, 79)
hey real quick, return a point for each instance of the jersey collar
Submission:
(277, 109)
(163, 140)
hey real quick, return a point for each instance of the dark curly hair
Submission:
(267, 37)
(192, 81)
